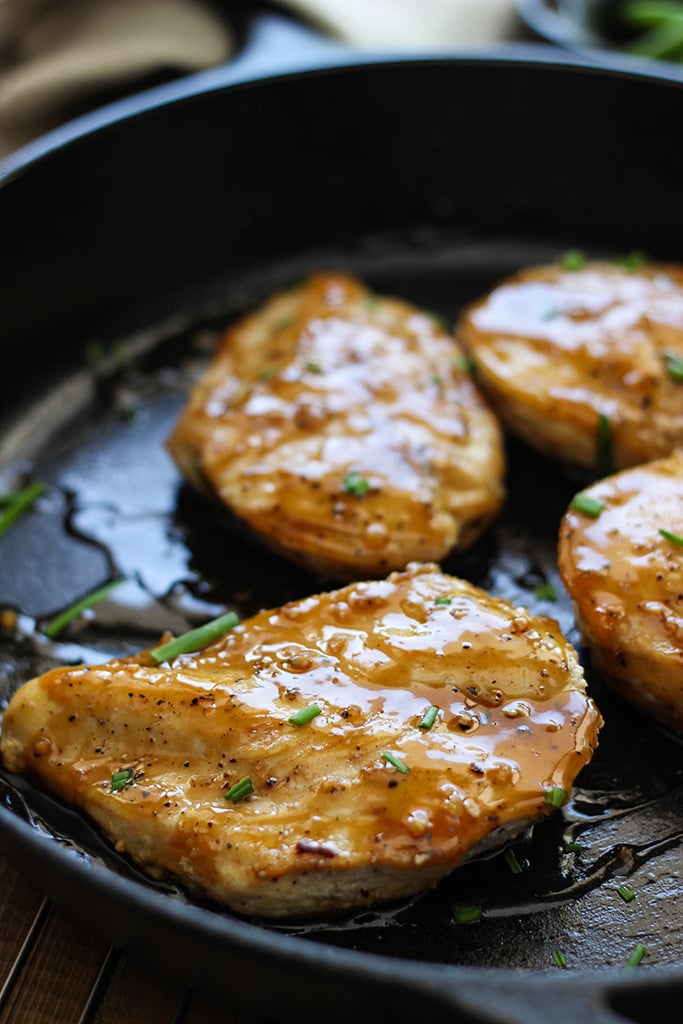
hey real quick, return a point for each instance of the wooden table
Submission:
(52, 971)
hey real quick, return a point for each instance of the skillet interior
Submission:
(440, 235)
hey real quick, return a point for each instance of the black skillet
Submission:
(129, 238)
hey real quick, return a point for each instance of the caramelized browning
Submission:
(344, 430)
(626, 580)
(556, 350)
(360, 803)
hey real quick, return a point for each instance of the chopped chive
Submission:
(267, 374)
(440, 321)
(305, 715)
(574, 259)
(396, 761)
(604, 447)
(512, 861)
(589, 506)
(555, 796)
(55, 626)
(674, 366)
(632, 261)
(573, 847)
(284, 323)
(626, 892)
(675, 538)
(545, 592)
(463, 363)
(436, 379)
(313, 367)
(371, 302)
(637, 955)
(120, 780)
(559, 958)
(195, 638)
(442, 600)
(356, 484)
(18, 503)
(241, 789)
(466, 915)
(428, 718)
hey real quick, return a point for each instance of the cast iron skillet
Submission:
(129, 238)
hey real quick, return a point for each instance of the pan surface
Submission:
(104, 361)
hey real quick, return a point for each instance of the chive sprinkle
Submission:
(55, 626)
(626, 892)
(241, 789)
(463, 363)
(512, 861)
(675, 538)
(604, 448)
(637, 955)
(559, 958)
(267, 374)
(195, 638)
(305, 715)
(574, 259)
(589, 506)
(356, 484)
(573, 847)
(545, 592)
(674, 366)
(313, 367)
(632, 261)
(120, 780)
(442, 600)
(428, 718)
(555, 796)
(396, 761)
(18, 503)
(466, 915)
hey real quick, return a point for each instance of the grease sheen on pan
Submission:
(626, 581)
(556, 349)
(331, 823)
(344, 430)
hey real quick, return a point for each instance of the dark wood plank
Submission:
(201, 1010)
(58, 975)
(19, 904)
(137, 997)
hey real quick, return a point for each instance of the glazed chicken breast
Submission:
(585, 365)
(350, 747)
(345, 431)
(622, 564)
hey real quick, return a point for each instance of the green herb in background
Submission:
(545, 592)
(466, 915)
(604, 447)
(55, 626)
(661, 28)
(674, 367)
(356, 484)
(574, 259)
(16, 504)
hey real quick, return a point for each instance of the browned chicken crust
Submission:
(345, 431)
(359, 804)
(556, 350)
(626, 580)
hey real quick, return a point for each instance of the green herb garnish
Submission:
(463, 363)
(573, 847)
(559, 958)
(16, 504)
(240, 790)
(545, 592)
(313, 367)
(637, 955)
(604, 447)
(195, 638)
(396, 761)
(267, 374)
(555, 796)
(589, 506)
(356, 484)
(306, 715)
(674, 367)
(632, 261)
(120, 780)
(626, 892)
(574, 259)
(466, 915)
(436, 379)
(442, 600)
(55, 626)
(428, 719)
(675, 538)
(512, 861)
(284, 323)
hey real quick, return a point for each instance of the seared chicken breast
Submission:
(350, 747)
(622, 564)
(584, 364)
(345, 431)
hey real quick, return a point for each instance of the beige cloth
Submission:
(61, 57)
